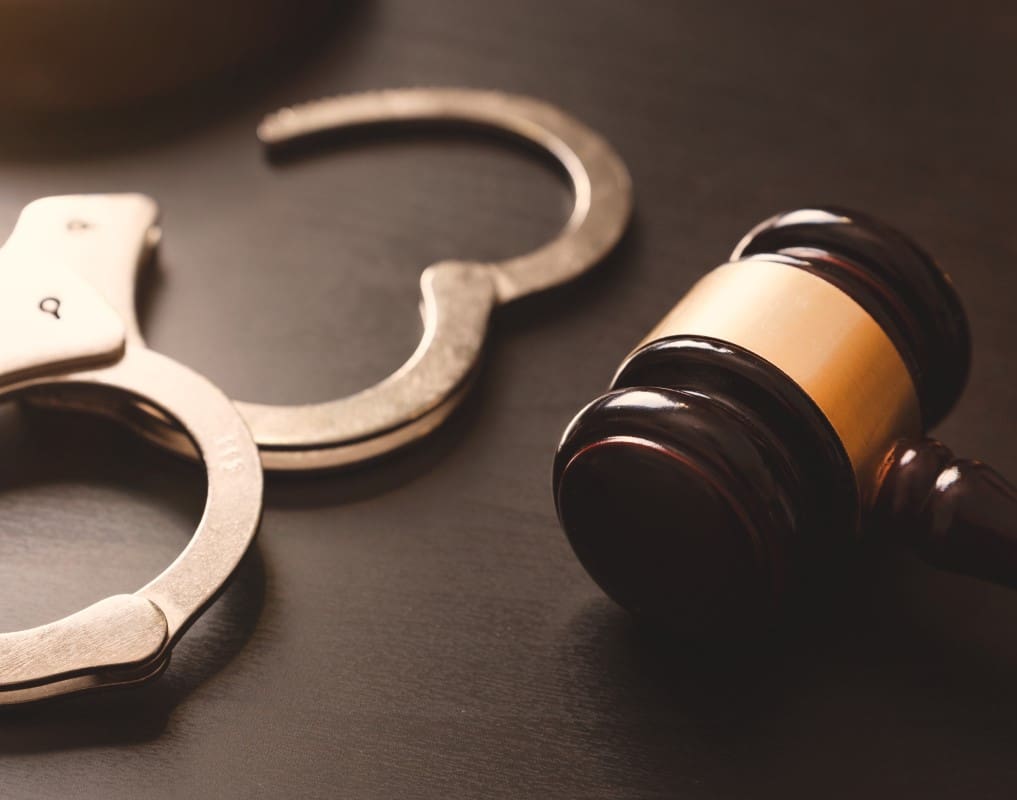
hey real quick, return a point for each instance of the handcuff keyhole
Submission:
(50, 305)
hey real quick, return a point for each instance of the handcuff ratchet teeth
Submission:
(62, 342)
(458, 297)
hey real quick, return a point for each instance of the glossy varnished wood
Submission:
(707, 441)
(959, 514)
(700, 489)
(894, 280)
(422, 629)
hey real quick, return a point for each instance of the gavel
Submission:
(773, 417)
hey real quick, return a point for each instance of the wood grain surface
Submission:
(419, 628)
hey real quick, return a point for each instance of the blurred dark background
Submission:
(419, 627)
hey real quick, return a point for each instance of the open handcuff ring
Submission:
(457, 297)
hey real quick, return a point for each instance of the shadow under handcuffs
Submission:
(141, 713)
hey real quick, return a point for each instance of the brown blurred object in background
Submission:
(72, 55)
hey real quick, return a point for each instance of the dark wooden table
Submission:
(419, 627)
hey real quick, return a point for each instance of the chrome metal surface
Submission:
(63, 344)
(458, 297)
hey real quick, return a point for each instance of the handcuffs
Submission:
(64, 341)
(68, 272)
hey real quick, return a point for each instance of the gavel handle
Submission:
(959, 515)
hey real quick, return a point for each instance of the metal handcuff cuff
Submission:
(457, 297)
(63, 340)
(69, 271)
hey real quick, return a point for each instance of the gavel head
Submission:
(743, 441)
